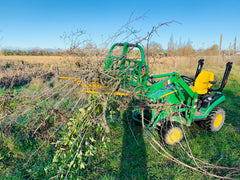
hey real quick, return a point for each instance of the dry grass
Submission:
(188, 65)
(32, 59)
(157, 65)
(182, 60)
(47, 63)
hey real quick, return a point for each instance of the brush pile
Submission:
(14, 75)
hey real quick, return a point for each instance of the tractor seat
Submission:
(203, 82)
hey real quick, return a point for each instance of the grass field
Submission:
(127, 153)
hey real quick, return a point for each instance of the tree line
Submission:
(33, 52)
(152, 49)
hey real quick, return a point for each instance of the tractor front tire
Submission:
(214, 121)
(172, 134)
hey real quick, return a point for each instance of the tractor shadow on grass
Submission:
(134, 155)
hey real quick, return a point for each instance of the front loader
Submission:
(169, 100)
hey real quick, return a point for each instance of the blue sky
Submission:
(40, 23)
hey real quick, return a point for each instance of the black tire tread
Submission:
(207, 124)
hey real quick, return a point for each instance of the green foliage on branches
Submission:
(77, 144)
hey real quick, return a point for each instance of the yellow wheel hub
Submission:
(174, 136)
(218, 121)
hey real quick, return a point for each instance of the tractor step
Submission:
(197, 116)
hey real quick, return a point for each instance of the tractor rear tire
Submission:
(172, 134)
(214, 121)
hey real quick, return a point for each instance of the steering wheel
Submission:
(187, 79)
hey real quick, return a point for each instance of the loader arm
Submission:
(133, 73)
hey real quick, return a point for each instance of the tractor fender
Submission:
(204, 111)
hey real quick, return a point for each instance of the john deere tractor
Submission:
(169, 100)
(174, 99)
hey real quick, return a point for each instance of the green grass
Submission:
(128, 156)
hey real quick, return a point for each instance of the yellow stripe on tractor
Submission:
(94, 85)
(168, 94)
(115, 93)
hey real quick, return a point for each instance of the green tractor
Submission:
(170, 99)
